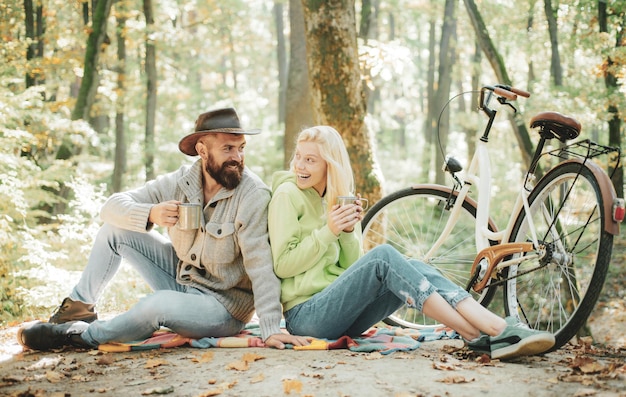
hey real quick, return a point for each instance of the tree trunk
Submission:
(446, 60)
(366, 19)
(497, 64)
(613, 88)
(431, 117)
(555, 61)
(338, 96)
(34, 29)
(119, 167)
(529, 27)
(89, 83)
(151, 94)
(471, 134)
(281, 53)
(298, 107)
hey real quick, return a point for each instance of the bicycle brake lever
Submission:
(503, 101)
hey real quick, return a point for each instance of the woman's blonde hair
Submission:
(339, 177)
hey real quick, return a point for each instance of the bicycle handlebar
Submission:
(519, 92)
(510, 95)
(507, 91)
(503, 92)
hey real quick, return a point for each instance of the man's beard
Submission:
(225, 175)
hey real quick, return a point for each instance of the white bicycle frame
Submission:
(479, 174)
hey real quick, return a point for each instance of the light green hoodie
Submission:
(307, 255)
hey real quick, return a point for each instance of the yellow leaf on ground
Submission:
(227, 385)
(290, 385)
(590, 368)
(205, 358)
(455, 379)
(258, 378)
(54, 377)
(155, 362)
(209, 393)
(238, 365)
(443, 366)
(252, 357)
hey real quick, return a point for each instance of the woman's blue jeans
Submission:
(374, 287)
(185, 310)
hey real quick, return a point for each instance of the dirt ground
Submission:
(440, 368)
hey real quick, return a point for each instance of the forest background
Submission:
(95, 95)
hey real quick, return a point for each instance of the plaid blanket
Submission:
(382, 339)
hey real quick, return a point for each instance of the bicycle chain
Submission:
(501, 281)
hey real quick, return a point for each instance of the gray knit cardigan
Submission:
(229, 257)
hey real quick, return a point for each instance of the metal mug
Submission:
(189, 216)
(343, 200)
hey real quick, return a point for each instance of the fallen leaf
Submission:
(290, 385)
(374, 356)
(455, 380)
(209, 393)
(483, 359)
(13, 378)
(314, 375)
(572, 378)
(53, 376)
(227, 385)
(252, 357)
(585, 392)
(155, 362)
(238, 365)
(106, 359)
(443, 366)
(158, 390)
(205, 358)
(258, 378)
(591, 368)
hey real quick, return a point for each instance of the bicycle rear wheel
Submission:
(411, 220)
(567, 210)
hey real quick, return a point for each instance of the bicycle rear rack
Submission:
(586, 149)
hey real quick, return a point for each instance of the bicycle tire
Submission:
(410, 220)
(560, 296)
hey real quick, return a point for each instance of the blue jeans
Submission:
(374, 287)
(185, 310)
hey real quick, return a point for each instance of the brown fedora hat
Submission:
(219, 120)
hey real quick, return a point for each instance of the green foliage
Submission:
(216, 53)
(31, 236)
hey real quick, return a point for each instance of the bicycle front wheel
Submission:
(411, 220)
(558, 292)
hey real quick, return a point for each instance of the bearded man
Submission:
(207, 281)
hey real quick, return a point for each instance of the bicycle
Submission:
(552, 256)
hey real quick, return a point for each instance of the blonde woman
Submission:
(330, 289)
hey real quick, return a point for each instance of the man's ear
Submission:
(201, 149)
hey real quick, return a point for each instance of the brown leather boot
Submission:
(73, 311)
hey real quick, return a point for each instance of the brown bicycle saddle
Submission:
(556, 125)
